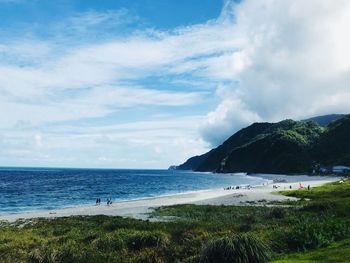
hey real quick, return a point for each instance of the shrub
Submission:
(109, 242)
(192, 259)
(245, 227)
(239, 248)
(144, 239)
(312, 234)
(277, 212)
(45, 255)
(148, 255)
(69, 252)
(320, 207)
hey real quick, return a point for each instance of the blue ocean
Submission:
(31, 189)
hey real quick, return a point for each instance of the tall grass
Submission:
(236, 249)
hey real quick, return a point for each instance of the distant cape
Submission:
(287, 146)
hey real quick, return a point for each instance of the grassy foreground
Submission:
(336, 252)
(317, 230)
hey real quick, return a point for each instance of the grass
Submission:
(338, 252)
(291, 233)
(237, 248)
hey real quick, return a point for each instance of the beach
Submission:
(141, 209)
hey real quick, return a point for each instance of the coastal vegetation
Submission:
(288, 147)
(313, 228)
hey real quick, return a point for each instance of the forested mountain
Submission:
(284, 147)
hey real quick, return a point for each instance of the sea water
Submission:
(32, 189)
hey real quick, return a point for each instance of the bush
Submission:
(320, 207)
(108, 242)
(312, 234)
(69, 252)
(45, 255)
(148, 255)
(144, 239)
(239, 248)
(277, 212)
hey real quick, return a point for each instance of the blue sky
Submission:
(150, 13)
(149, 83)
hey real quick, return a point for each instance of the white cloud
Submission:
(296, 64)
(151, 144)
(32, 66)
(38, 138)
(119, 97)
(84, 21)
(230, 115)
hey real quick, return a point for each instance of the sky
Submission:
(150, 83)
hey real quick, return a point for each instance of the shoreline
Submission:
(141, 208)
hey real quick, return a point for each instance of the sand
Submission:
(141, 209)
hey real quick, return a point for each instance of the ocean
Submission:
(33, 189)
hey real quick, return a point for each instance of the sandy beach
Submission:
(140, 209)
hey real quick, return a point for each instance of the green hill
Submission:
(284, 147)
(209, 160)
(333, 148)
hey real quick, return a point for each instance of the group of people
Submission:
(238, 187)
(231, 188)
(290, 187)
(109, 201)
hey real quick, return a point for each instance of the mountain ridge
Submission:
(324, 120)
(287, 147)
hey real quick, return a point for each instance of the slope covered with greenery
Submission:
(284, 147)
(209, 160)
(333, 148)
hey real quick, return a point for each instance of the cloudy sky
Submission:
(149, 83)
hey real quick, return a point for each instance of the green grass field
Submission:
(309, 231)
(336, 253)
